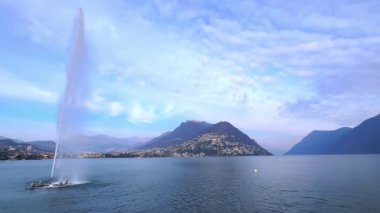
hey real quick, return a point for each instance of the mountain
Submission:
(319, 142)
(201, 138)
(230, 133)
(222, 139)
(102, 143)
(45, 146)
(183, 132)
(7, 142)
(362, 139)
(81, 143)
(38, 146)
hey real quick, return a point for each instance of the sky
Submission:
(276, 70)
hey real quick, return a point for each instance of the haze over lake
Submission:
(340, 183)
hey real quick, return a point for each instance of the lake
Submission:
(335, 183)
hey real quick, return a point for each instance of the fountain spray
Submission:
(71, 106)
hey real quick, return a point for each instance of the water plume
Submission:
(72, 106)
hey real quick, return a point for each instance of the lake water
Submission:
(337, 183)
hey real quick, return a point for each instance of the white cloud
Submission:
(249, 63)
(116, 108)
(99, 103)
(210, 82)
(13, 87)
(96, 103)
(138, 114)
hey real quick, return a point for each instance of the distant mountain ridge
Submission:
(319, 142)
(47, 146)
(104, 143)
(362, 139)
(39, 146)
(202, 138)
(80, 143)
(190, 138)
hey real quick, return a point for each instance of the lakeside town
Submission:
(204, 146)
(15, 153)
(18, 153)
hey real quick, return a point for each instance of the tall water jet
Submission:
(71, 107)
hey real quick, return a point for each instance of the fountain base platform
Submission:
(56, 184)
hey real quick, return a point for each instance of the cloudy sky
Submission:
(275, 70)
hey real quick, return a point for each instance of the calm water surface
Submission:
(340, 183)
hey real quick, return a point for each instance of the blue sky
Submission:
(275, 70)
